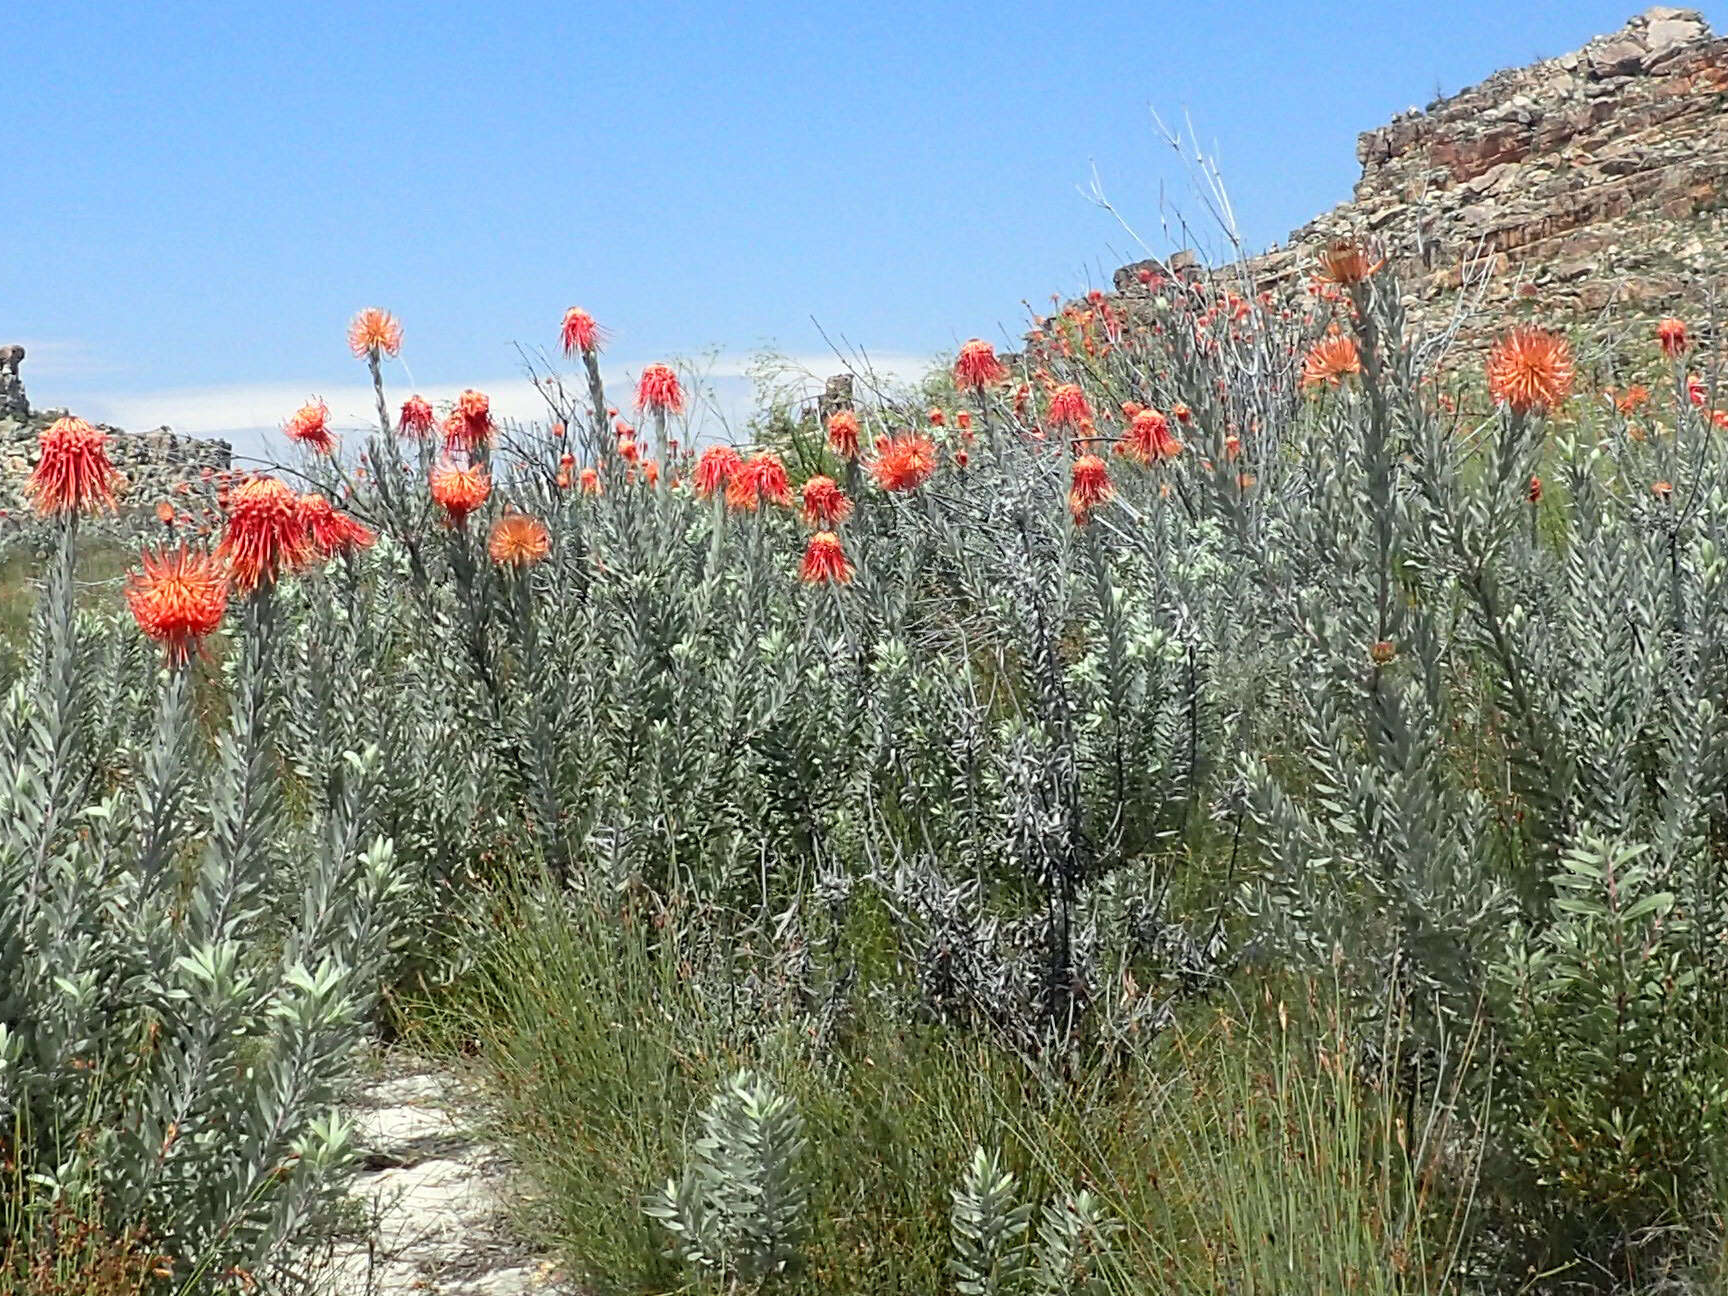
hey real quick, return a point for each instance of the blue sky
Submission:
(198, 195)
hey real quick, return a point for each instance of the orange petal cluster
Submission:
(904, 462)
(657, 390)
(518, 541)
(825, 561)
(374, 330)
(976, 367)
(73, 472)
(1330, 361)
(459, 489)
(265, 536)
(715, 469)
(579, 332)
(1089, 487)
(310, 426)
(330, 530)
(1530, 369)
(843, 433)
(825, 504)
(179, 599)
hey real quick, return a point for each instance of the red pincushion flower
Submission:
(1671, 336)
(591, 481)
(627, 450)
(73, 472)
(905, 462)
(715, 469)
(310, 426)
(1695, 389)
(657, 390)
(579, 332)
(825, 561)
(976, 367)
(1148, 438)
(843, 433)
(1068, 407)
(416, 418)
(767, 477)
(374, 330)
(1090, 487)
(1530, 369)
(330, 530)
(518, 541)
(178, 599)
(825, 504)
(266, 534)
(459, 489)
(469, 425)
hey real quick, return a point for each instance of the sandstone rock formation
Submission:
(1594, 184)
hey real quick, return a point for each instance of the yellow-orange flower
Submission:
(459, 489)
(1530, 369)
(73, 472)
(518, 541)
(178, 599)
(825, 561)
(266, 534)
(1330, 361)
(374, 330)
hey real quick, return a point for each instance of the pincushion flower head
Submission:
(1330, 361)
(266, 534)
(374, 332)
(1671, 337)
(1148, 438)
(657, 390)
(579, 332)
(1346, 262)
(843, 433)
(1068, 407)
(715, 469)
(1530, 369)
(459, 489)
(178, 599)
(976, 367)
(73, 473)
(469, 425)
(518, 541)
(590, 481)
(760, 477)
(310, 426)
(416, 418)
(905, 462)
(825, 504)
(1090, 487)
(825, 561)
(331, 531)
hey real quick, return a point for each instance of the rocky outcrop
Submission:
(1594, 183)
(155, 466)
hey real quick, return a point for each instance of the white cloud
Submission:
(249, 414)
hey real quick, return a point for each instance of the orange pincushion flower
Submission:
(824, 561)
(1148, 438)
(1345, 262)
(310, 426)
(459, 489)
(904, 463)
(715, 469)
(658, 390)
(1530, 369)
(1090, 487)
(825, 504)
(165, 512)
(1695, 389)
(266, 534)
(591, 481)
(1671, 336)
(469, 425)
(1330, 361)
(843, 433)
(627, 450)
(1633, 399)
(518, 541)
(374, 330)
(1068, 406)
(977, 367)
(416, 418)
(331, 531)
(73, 472)
(579, 332)
(178, 599)
(651, 472)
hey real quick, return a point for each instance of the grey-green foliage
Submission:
(996, 1252)
(188, 965)
(739, 1207)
